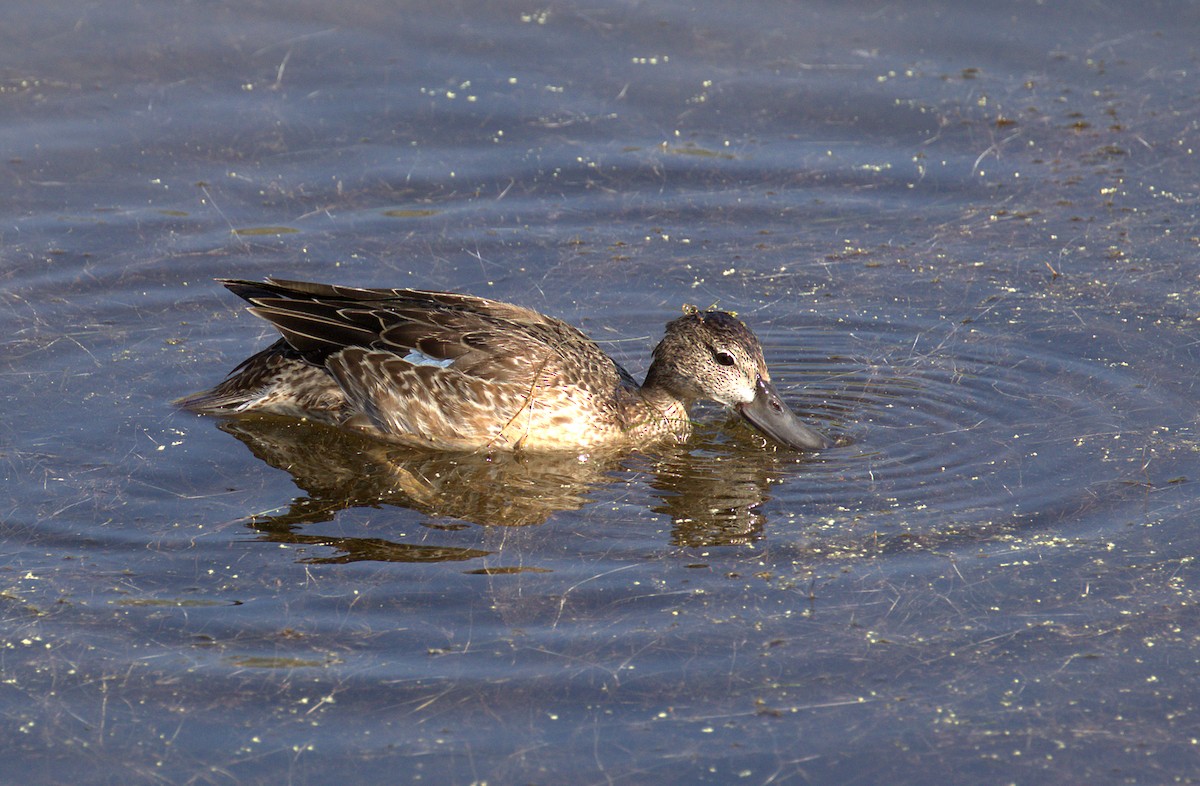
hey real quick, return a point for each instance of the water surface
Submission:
(965, 232)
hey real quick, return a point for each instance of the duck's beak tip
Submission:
(772, 417)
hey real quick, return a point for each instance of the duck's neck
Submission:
(661, 410)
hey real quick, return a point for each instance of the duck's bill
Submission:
(771, 416)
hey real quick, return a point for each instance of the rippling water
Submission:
(965, 232)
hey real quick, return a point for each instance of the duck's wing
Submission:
(482, 338)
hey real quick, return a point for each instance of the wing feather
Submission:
(494, 342)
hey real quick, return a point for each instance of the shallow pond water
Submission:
(965, 232)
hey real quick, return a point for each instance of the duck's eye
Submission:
(724, 358)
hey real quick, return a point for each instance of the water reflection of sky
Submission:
(965, 233)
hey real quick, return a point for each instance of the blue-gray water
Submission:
(966, 232)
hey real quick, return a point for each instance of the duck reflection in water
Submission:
(712, 493)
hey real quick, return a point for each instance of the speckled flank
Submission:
(274, 380)
(448, 371)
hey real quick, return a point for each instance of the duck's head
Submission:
(712, 355)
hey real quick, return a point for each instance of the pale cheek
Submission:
(744, 394)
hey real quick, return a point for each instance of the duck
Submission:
(457, 372)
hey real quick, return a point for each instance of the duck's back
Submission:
(436, 369)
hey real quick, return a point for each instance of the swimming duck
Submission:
(447, 371)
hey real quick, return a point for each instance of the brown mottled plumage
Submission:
(456, 372)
